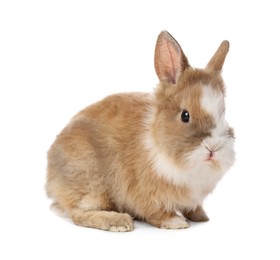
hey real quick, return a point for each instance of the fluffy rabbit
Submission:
(153, 157)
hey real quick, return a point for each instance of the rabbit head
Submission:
(188, 129)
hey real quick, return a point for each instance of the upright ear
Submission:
(170, 60)
(217, 61)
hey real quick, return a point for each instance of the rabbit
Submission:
(151, 157)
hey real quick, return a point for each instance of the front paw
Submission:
(176, 222)
(197, 215)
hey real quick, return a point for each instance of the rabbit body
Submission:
(137, 155)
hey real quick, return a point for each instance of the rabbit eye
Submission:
(185, 116)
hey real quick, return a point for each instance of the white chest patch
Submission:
(199, 177)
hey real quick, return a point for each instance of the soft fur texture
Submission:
(131, 156)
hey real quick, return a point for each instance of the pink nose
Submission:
(210, 155)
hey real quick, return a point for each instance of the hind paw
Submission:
(121, 223)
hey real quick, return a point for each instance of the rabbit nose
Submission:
(212, 147)
(210, 154)
(211, 151)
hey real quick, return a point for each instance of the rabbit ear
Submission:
(170, 60)
(217, 61)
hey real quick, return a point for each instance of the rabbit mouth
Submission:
(214, 151)
(221, 154)
(212, 161)
(210, 157)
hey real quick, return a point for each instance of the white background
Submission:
(56, 57)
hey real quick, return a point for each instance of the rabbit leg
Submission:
(168, 221)
(95, 211)
(105, 220)
(92, 209)
(197, 215)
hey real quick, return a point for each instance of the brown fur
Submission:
(99, 170)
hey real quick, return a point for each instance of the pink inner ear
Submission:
(168, 58)
(170, 62)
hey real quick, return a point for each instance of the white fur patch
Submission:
(212, 101)
(199, 176)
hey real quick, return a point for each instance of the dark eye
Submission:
(185, 116)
